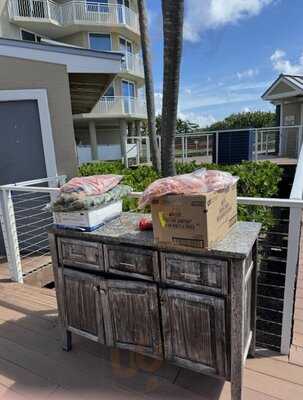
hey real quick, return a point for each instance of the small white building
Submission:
(286, 93)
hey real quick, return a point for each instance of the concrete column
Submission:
(138, 128)
(123, 138)
(93, 140)
(131, 129)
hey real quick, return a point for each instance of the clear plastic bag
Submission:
(198, 182)
(91, 185)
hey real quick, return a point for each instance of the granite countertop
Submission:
(124, 230)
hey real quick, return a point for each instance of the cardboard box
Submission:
(88, 220)
(196, 221)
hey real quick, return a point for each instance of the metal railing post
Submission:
(137, 144)
(217, 147)
(47, 8)
(183, 149)
(186, 148)
(295, 219)
(294, 232)
(9, 230)
(256, 144)
(299, 140)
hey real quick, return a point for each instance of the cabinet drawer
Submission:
(131, 261)
(81, 254)
(195, 272)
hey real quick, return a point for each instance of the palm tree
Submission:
(149, 86)
(173, 17)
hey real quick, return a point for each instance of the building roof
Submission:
(90, 72)
(284, 86)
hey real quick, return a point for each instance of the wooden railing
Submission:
(74, 12)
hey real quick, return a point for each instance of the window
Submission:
(128, 92)
(110, 92)
(97, 6)
(128, 89)
(30, 37)
(126, 46)
(121, 13)
(99, 41)
(124, 3)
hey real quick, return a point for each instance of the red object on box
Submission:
(145, 224)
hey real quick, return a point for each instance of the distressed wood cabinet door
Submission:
(194, 330)
(82, 304)
(135, 317)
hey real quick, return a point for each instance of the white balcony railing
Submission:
(120, 105)
(35, 9)
(133, 63)
(74, 12)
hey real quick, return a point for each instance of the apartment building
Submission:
(101, 25)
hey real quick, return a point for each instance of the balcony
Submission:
(133, 65)
(47, 15)
(121, 106)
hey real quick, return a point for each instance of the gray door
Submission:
(21, 147)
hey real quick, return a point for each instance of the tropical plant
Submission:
(256, 179)
(256, 119)
(149, 86)
(173, 16)
(183, 126)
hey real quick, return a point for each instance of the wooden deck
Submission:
(32, 364)
(37, 271)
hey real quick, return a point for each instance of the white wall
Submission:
(7, 30)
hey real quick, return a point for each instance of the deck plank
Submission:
(31, 359)
(273, 368)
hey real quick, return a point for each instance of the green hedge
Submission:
(257, 179)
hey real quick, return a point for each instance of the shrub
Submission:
(256, 179)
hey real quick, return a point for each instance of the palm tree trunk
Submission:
(173, 16)
(149, 86)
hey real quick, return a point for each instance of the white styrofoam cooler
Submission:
(88, 220)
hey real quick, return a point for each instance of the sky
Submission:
(233, 50)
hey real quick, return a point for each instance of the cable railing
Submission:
(74, 12)
(264, 143)
(25, 220)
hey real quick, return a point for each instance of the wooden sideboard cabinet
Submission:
(194, 308)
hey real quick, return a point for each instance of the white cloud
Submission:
(246, 109)
(212, 95)
(283, 65)
(249, 73)
(198, 118)
(208, 14)
(201, 119)
(199, 104)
